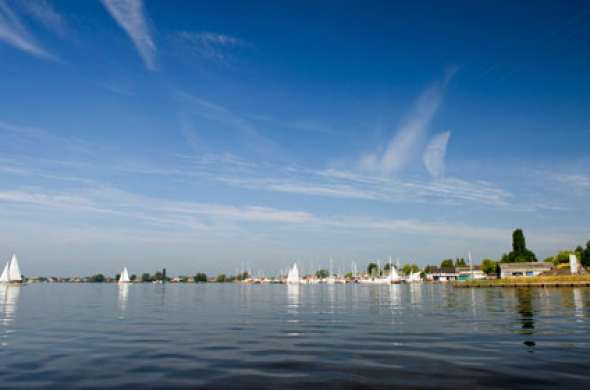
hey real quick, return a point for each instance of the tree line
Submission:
(519, 254)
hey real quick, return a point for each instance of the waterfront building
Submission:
(442, 274)
(508, 270)
(469, 273)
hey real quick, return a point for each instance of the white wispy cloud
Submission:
(159, 212)
(130, 15)
(403, 145)
(106, 200)
(226, 119)
(434, 154)
(209, 45)
(44, 13)
(350, 185)
(578, 181)
(14, 33)
(418, 227)
(19, 133)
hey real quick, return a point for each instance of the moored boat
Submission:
(293, 275)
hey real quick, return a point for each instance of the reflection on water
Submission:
(8, 302)
(578, 301)
(415, 293)
(525, 308)
(293, 291)
(123, 297)
(276, 336)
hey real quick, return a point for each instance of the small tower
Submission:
(573, 264)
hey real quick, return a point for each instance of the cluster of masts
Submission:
(393, 277)
(12, 274)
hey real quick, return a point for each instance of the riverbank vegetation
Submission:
(520, 253)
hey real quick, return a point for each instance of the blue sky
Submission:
(201, 136)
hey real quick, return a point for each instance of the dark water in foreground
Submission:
(275, 336)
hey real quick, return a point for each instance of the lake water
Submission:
(277, 336)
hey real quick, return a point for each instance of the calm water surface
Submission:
(277, 336)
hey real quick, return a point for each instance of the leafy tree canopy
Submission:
(520, 253)
(586, 255)
(489, 266)
(447, 263)
(373, 269)
(410, 268)
(98, 278)
(145, 277)
(322, 274)
(200, 278)
(220, 278)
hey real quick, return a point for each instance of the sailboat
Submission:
(11, 272)
(331, 279)
(293, 275)
(124, 278)
(393, 276)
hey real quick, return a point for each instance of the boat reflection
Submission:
(293, 298)
(293, 303)
(123, 298)
(8, 303)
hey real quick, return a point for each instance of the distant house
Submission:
(442, 274)
(508, 270)
(468, 273)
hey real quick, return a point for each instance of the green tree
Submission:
(322, 274)
(158, 276)
(563, 257)
(133, 277)
(519, 253)
(518, 241)
(200, 278)
(97, 278)
(410, 268)
(348, 276)
(373, 269)
(460, 262)
(117, 277)
(145, 277)
(220, 278)
(242, 276)
(447, 263)
(489, 266)
(586, 255)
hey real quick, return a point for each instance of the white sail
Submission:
(293, 275)
(393, 276)
(124, 278)
(14, 274)
(4, 276)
